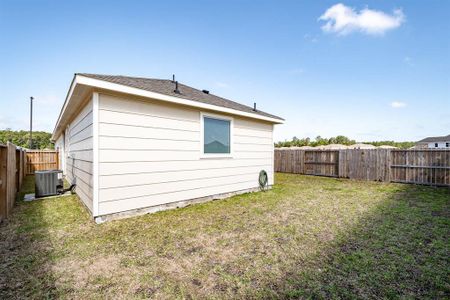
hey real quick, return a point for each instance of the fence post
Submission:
(388, 165)
(341, 164)
(11, 180)
(24, 163)
(3, 182)
(302, 166)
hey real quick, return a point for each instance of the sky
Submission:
(369, 70)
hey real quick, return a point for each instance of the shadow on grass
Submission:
(399, 250)
(27, 243)
(25, 248)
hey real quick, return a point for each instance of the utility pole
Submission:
(31, 123)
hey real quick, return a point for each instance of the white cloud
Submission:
(407, 60)
(3, 123)
(311, 38)
(14, 123)
(342, 20)
(398, 104)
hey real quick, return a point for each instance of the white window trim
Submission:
(202, 136)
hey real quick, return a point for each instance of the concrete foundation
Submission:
(32, 197)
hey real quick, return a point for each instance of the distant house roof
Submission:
(433, 139)
(167, 87)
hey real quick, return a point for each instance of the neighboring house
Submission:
(137, 145)
(436, 142)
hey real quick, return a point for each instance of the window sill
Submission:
(214, 156)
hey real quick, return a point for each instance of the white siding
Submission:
(78, 154)
(59, 146)
(439, 145)
(149, 154)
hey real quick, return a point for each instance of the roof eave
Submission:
(101, 84)
(61, 113)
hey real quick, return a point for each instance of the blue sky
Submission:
(371, 70)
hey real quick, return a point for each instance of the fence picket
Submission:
(41, 160)
(430, 167)
(11, 177)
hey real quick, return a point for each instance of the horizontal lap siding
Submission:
(127, 131)
(184, 184)
(59, 146)
(119, 168)
(149, 154)
(113, 181)
(78, 146)
(174, 196)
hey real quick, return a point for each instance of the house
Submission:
(434, 142)
(137, 145)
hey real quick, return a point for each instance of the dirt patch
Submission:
(308, 237)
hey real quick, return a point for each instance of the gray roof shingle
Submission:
(167, 87)
(433, 139)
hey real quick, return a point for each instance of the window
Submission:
(216, 136)
(447, 145)
(436, 145)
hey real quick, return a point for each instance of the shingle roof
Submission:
(167, 87)
(433, 139)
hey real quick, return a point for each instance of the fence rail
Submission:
(39, 160)
(430, 167)
(12, 171)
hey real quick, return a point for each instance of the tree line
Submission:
(41, 140)
(340, 139)
(21, 138)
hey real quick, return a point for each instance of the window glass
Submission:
(216, 135)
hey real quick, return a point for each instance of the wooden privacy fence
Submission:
(431, 167)
(12, 171)
(40, 160)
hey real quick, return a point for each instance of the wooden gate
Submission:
(41, 160)
(322, 163)
(364, 164)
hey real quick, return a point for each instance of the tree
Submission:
(41, 139)
(340, 139)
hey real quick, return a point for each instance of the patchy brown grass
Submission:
(308, 237)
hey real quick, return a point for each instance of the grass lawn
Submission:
(309, 237)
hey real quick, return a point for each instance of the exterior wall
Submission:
(149, 154)
(59, 145)
(441, 145)
(77, 152)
